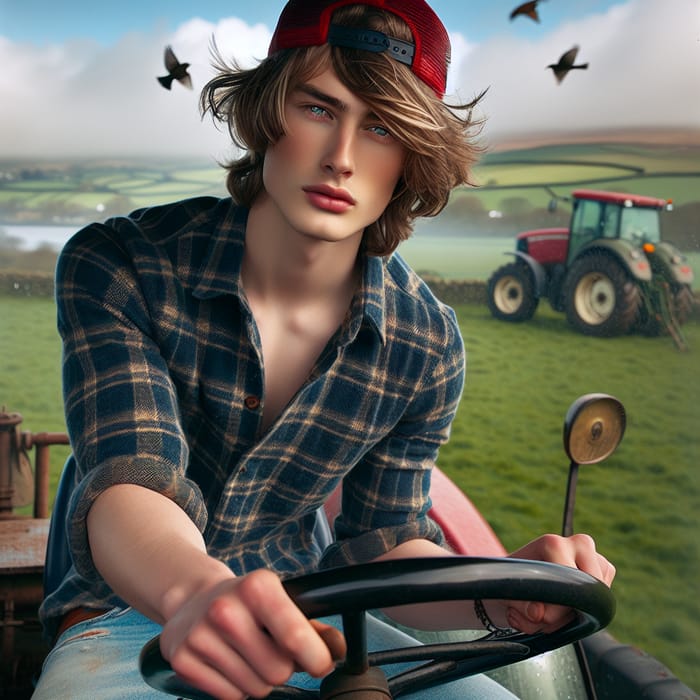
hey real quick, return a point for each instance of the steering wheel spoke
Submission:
(347, 590)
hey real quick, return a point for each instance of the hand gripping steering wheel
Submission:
(351, 590)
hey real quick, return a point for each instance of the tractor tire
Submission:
(600, 297)
(683, 301)
(511, 293)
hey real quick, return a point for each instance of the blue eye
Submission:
(380, 130)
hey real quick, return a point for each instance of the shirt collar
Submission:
(372, 294)
(221, 266)
(220, 270)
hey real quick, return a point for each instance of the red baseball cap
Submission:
(308, 23)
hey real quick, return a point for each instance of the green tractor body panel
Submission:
(630, 257)
(668, 261)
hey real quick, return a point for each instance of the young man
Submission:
(229, 363)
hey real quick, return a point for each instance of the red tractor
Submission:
(610, 272)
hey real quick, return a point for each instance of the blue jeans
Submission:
(98, 660)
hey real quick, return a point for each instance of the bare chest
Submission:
(290, 347)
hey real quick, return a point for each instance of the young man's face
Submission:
(335, 169)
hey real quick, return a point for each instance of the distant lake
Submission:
(452, 257)
(32, 237)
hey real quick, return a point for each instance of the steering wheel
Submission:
(351, 590)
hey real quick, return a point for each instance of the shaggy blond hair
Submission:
(437, 137)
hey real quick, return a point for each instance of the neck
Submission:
(280, 262)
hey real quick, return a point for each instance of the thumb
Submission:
(333, 639)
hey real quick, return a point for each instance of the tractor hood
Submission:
(558, 233)
(546, 245)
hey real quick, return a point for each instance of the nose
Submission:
(338, 158)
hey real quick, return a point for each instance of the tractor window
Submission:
(640, 225)
(585, 224)
(611, 221)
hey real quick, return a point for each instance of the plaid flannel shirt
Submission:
(163, 387)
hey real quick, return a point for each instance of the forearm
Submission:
(577, 551)
(149, 551)
(444, 615)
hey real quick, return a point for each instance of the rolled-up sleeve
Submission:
(386, 496)
(121, 406)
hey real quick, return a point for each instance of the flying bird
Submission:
(565, 64)
(176, 71)
(528, 9)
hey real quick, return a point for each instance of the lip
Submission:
(329, 198)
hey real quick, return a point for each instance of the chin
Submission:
(333, 234)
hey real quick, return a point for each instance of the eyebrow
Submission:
(311, 91)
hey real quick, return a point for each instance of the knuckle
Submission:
(217, 608)
(255, 586)
(197, 640)
(552, 544)
(584, 540)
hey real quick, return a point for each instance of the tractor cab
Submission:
(610, 215)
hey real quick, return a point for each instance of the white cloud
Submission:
(89, 99)
(644, 68)
(84, 98)
(461, 48)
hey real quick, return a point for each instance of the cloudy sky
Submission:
(80, 79)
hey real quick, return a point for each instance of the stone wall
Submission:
(26, 284)
(452, 292)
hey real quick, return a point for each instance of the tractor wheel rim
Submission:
(508, 294)
(595, 298)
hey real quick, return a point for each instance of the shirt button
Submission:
(252, 403)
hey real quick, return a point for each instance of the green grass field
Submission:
(628, 164)
(642, 505)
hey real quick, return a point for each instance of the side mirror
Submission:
(593, 428)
